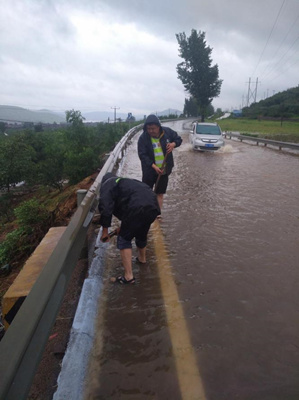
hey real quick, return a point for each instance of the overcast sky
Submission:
(93, 55)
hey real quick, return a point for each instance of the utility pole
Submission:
(252, 94)
(243, 101)
(115, 108)
(248, 93)
(255, 93)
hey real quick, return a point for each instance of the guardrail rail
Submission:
(23, 344)
(279, 144)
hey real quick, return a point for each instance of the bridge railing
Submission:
(22, 347)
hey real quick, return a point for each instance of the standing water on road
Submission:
(230, 226)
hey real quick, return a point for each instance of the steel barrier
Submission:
(276, 143)
(23, 344)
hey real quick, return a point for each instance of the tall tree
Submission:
(191, 107)
(198, 76)
(74, 117)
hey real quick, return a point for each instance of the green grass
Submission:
(288, 132)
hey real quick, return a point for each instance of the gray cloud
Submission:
(93, 55)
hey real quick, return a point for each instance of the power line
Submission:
(278, 48)
(269, 36)
(285, 70)
(282, 57)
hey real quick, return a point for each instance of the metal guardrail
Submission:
(23, 344)
(266, 142)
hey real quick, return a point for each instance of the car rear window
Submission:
(208, 129)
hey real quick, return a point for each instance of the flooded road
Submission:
(215, 311)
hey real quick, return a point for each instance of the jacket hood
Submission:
(108, 176)
(151, 119)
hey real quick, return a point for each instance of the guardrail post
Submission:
(80, 196)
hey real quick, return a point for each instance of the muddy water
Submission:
(230, 226)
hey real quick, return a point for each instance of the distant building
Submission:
(130, 118)
(237, 113)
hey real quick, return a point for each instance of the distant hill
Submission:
(14, 114)
(18, 114)
(169, 111)
(283, 104)
(102, 116)
(98, 116)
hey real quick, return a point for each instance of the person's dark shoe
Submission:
(123, 281)
(138, 261)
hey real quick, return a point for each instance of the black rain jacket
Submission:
(127, 199)
(145, 147)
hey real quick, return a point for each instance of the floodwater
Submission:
(214, 314)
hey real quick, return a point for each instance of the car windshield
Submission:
(208, 129)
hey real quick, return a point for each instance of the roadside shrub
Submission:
(6, 209)
(32, 220)
(13, 243)
(30, 213)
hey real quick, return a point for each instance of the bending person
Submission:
(136, 205)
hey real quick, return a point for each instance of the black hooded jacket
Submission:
(127, 199)
(145, 148)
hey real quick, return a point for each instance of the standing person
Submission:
(136, 205)
(155, 146)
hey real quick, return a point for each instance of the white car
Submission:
(206, 136)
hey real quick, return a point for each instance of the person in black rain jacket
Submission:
(136, 205)
(155, 146)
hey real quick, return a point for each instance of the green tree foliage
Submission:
(76, 133)
(191, 108)
(81, 155)
(78, 166)
(30, 213)
(109, 135)
(38, 127)
(2, 127)
(31, 218)
(74, 117)
(50, 169)
(52, 157)
(15, 161)
(198, 76)
(11, 245)
(281, 105)
(6, 208)
(210, 110)
(48, 158)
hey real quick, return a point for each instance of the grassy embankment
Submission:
(288, 132)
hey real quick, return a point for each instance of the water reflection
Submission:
(230, 224)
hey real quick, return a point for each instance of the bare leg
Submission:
(126, 258)
(160, 200)
(141, 254)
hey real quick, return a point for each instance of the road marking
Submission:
(190, 381)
